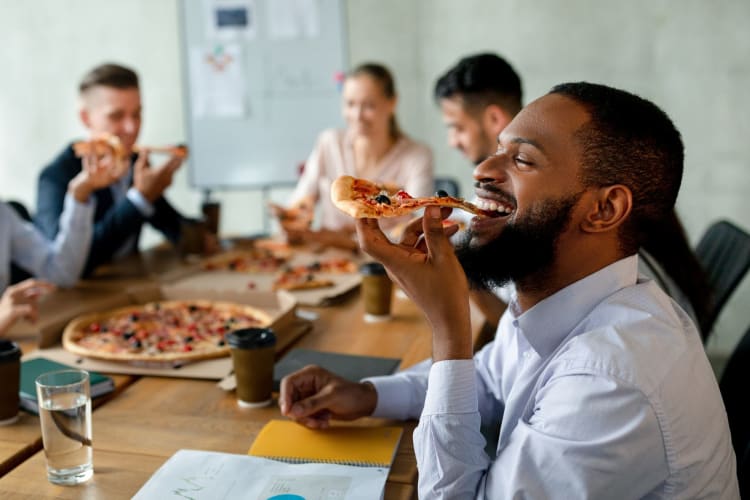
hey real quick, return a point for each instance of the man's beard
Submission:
(523, 251)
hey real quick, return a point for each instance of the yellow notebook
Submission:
(289, 441)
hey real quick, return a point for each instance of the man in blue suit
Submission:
(111, 104)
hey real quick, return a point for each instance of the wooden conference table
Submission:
(147, 419)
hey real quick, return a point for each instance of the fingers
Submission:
(299, 385)
(276, 209)
(371, 238)
(88, 161)
(26, 311)
(30, 289)
(434, 234)
(166, 172)
(287, 394)
(141, 163)
(451, 230)
(308, 396)
(321, 420)
(173, 164)
(313, 407)
(412, 232)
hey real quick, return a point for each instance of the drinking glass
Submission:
(65, 413)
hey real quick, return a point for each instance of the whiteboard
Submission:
(261, 80)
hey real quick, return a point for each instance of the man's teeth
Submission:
(493, 206)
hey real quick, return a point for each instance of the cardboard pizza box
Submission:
(160, 264)
(343, 283)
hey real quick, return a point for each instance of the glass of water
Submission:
(65, 413)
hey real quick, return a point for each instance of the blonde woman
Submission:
(372, 147)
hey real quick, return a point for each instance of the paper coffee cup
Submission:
(377, 292)
(10, 374)
(253, 353)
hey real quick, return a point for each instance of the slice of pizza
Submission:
(294, 280)
(252, 260)
(103, 144)
(180, 150)
(361, 198)
(307, 276)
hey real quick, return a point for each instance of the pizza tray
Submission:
(210, 369)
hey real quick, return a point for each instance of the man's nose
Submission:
(130, 125)
(494, 167)
(453, 140)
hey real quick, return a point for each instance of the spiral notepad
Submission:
(289, 441)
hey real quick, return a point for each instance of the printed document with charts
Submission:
(206, 475)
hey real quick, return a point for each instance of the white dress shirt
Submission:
(60, 261)
(602, 390)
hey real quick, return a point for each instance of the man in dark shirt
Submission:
(111, 104)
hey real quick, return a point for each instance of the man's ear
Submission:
(495, 119)
(610, 207)
(393, 104)
(83, 114)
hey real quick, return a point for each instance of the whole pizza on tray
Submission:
(167, 331)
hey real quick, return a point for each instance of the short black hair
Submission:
(630, 141)
(109, 75)
(480, 80)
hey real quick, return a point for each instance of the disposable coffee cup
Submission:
(253, 352)
(192, 237)
(211, 216)
(377, 291)
(10, 374)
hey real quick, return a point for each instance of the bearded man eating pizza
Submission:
(597, 380)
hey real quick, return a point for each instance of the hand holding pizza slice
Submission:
(107, 148)
(297, 217)
(362, 199)
(103, 151)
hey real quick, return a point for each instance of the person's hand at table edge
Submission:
(312, 396)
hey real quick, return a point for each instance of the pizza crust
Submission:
(304, 285)
(342, 195)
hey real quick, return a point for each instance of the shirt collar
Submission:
(547, 324)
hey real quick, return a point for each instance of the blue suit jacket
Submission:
(113, 223)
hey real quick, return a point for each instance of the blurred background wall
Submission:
(688, 56)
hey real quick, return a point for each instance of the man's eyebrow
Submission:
(523, 140)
